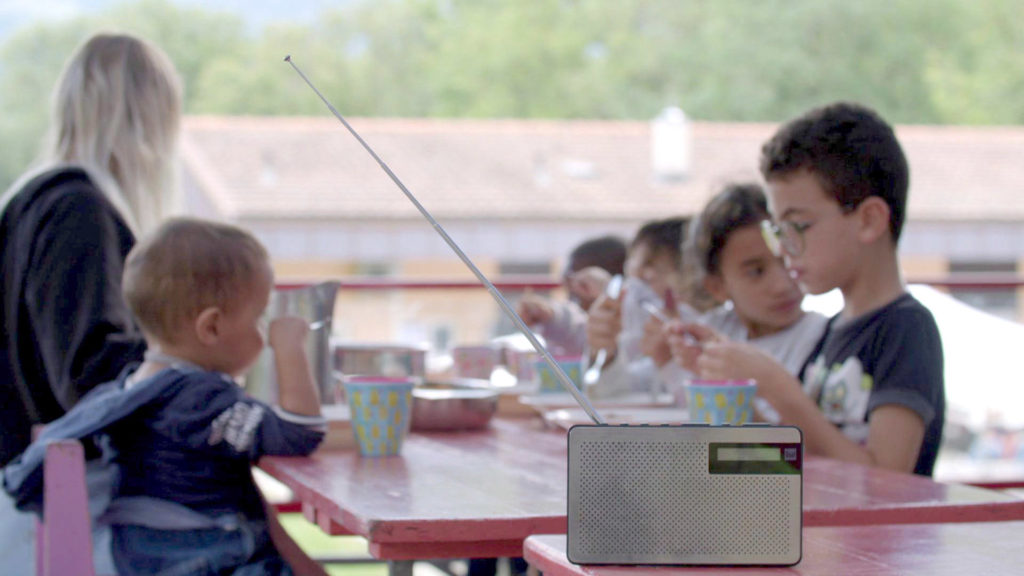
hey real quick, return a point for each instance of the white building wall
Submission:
(395, 241)
(964, 241)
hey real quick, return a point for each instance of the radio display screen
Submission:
(750, 453)
(754, 458)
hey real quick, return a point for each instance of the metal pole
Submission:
(502, 302)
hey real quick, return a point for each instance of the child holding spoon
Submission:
(639, 359)
(758, 302)
(592, 264)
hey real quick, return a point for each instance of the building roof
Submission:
(312, 168)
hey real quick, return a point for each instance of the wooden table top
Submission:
(479, 494)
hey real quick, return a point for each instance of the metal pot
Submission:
(370, 359)
(460, 404)
(315, 304)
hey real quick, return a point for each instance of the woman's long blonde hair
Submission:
(117, 113)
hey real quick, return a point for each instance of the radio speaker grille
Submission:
(656, 502)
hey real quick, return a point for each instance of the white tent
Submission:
(984, 376)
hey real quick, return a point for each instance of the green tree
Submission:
(510, 59)
(979, 79)
(942, 61)
(257, 81)
(31, 61)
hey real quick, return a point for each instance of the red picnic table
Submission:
(990, 548)
(480, 494)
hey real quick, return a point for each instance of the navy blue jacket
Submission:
(184, 436)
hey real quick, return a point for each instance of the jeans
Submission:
(489, 566)
(17, 538)
(245, 548)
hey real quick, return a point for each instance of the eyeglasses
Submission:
(784, 237)
(787, 238)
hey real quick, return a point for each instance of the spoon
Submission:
(313, 326)
(593, 374)
(653, 310)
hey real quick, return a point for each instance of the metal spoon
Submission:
(314, 326)
(653, 310)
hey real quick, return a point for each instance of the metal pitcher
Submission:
(315, 304)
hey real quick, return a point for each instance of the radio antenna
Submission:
(502, 302)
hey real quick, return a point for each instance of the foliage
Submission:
(942, 61)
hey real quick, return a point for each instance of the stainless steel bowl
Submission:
(459, 404)
(379, 359)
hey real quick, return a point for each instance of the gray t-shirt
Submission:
(790, 347)
(892, 355)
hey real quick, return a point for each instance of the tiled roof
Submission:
(312, 168)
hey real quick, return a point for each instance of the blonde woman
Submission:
(105, 176)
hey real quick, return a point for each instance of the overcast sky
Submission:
(17, 13)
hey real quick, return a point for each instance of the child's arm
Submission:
(895, 432)
(894, 435)
(297, 389)
(604, 323)
(686, 341)
(589, 283)
(535, 309)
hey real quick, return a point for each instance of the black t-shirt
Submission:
(892, 355)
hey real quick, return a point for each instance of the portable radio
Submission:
(690, 494)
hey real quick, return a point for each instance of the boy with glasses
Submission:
(872, 390)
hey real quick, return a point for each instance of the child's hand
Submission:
(588, 284)
(604, 322)
(297, 390)
(686, 341)
(534, 309)
(728, 360)
(654, 343)
(287, 331)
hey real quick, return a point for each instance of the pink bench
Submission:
(64, 535)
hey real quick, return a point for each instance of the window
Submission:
(524, 268)
(1001, 302)
(504, 324)
(370, 268)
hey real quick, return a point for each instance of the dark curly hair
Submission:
(736, 206)
(663, 236)
(607, 252)
(852, 152)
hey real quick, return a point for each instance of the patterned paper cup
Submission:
(381, 410)
(475, 361)
(549, 381)
(524, 364)
(721, 402)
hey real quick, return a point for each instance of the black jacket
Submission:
(65, 326)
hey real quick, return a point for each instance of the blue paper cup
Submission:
(721, 402)
(549, 381)
(381, 409)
